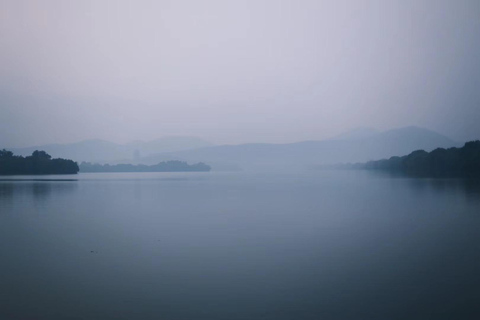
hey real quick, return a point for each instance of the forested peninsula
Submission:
(168, 166)
(452, 162)
(39, 162)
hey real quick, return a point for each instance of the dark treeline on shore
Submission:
(169, 166)
(454, 162)
(39, 162)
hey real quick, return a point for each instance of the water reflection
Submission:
(469, 187)
(329, 245)
(36, 189)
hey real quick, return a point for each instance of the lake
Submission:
(173, 246)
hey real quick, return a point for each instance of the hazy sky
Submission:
(236, 71)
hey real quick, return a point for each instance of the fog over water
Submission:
(340, 245)
(235, 71)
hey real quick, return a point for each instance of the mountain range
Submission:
(355, 146)
(359, 145)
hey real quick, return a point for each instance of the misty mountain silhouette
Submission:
(356, 134)
(358, 145)
(310, 153)
(104, 151)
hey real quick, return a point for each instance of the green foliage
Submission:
(5, 154)
(39, 162)
(41, 155)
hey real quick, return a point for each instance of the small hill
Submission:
(440, 162)
(168, 166)
(39, 162)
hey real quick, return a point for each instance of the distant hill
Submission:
(458, 162)
(168, 144)
(169, 166)
(310, 153)
(359, 145)
(105, 151)
(357, 134)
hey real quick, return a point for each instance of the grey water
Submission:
(316, 245)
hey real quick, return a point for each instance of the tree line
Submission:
(464, 161)
(39, 162)
(168, 166)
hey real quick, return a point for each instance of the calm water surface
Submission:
(322, 245)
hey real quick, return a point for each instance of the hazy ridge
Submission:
(358, 145)
(303, 154)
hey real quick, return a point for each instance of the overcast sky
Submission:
(236, 71)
